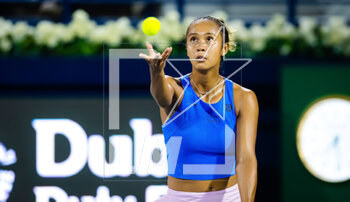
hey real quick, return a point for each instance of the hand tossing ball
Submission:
(151, 26)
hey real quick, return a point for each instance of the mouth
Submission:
(200, 58)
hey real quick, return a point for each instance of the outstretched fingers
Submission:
(166, 53)
(154, 58)
(144, 56)
(150, 49)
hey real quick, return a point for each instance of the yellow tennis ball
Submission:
(151, 26)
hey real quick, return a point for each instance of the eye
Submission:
(192, 38)
(210, 38)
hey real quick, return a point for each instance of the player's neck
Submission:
(205, 80)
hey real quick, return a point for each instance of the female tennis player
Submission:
(212, 116)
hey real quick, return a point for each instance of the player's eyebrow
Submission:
(195, 33)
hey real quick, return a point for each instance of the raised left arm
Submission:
(247, 122)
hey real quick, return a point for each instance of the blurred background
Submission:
(55, 141)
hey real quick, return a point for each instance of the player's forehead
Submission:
(203, 27)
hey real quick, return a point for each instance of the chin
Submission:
(202, 67)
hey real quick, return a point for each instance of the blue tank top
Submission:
(200, 138)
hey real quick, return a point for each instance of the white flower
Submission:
(112, 36)
(163, 43)
(98, 35)
(220, 15)
(44, 34)
(257, 37)
(186, 22)
(112, 32)
(51, 35)
(125, 27)
(184, 25)
(80, 15)
(306, 30)
(278, 27)
(239, 30)
(21, 30)
(137, 37)
(5, 45)
(61, 33)
(81, 25)
(335, 32)
(5, 27)
(171, 28)
(173, 16)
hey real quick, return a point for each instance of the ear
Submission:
(225, 49)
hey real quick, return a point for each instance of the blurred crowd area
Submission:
(313, 28)
(101, 10)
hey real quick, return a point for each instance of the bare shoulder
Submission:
(244, 98)
(175, 82)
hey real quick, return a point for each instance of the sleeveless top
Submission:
(200, 137)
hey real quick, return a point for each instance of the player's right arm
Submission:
(161, 88)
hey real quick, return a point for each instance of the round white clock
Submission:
(323, 138)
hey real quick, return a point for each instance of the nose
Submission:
(200, 48)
